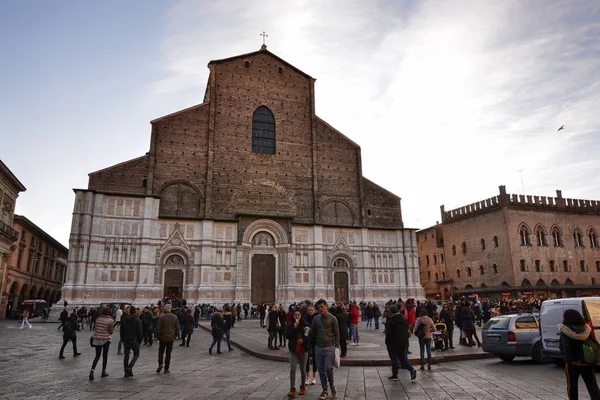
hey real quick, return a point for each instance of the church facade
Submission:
(248, 196)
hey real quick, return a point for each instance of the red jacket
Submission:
(353, 314)
(411, 316)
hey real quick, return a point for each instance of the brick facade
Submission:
(201, 171)
(509, 247)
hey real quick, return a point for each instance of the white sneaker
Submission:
(21, 328)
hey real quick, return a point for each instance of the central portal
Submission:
(173, 283)
(263, 279)
(340, 284)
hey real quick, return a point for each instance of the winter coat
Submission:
(369, 312)
(147, 321)
(411, 316)
(167, 329)
(446, 318)
(70, 328)
(396, 332)
(458, 316)
(131, 329)
(428, 326)
(188, 323)
(217, 325)
(103, 327)
(467, 318)
(376, 312)
(273, 324)
(571, 342)
(353, 314)
(293, 334)
(342, 325)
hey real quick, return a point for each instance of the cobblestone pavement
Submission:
(30, 368)
(371, 351)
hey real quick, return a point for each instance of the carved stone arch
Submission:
(505, 284)
(526, 283)
(337, 212)
(180, 198)
(555, 227)
(576, 229)
(554, 283)
(169, 257)
(524, 225)
(540, 282)
(483, 286)
(568, 282)
(591, 230)
(270, 226)
(468, 287)
(339, 259)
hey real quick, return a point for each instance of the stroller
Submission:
(439, 336)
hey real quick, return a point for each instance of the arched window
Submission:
(469, 271)
(263, 131)
(179, 200)
(582, 266)
(482, 244)
(552, 266)
(522, 265)
(577, 239)
(495, 241)
(453, 250)
(556, 236)
(593, 238)
(540, 282)
(554, 283)
(464, 247)
(597, 266)
(538, 266)
(495, 268)
(540, 236)
(568, 282)
(525, 283)
(436, 276)
(457, 273)
(524, 233)
(443, 275)
(565, 266)
(481, 270)
(428, 274)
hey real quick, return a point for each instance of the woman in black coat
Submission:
(342, 319)
(187, 320)
(217, 326)
(70, 328)
(467, 317)
(447, 317)
(573, 333)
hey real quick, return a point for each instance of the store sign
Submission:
(527, 293)
(505, 293)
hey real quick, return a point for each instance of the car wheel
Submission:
(507, 358)
(558, 362)
(537, 354)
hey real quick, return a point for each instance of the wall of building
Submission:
(432, 261)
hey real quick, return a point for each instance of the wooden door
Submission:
(340, 284)
(263, 279)
(173, 283)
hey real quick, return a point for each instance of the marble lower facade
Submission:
(121, 251)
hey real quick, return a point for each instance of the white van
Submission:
(551, 315)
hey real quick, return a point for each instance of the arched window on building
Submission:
(464, 247)
(453, 250)
(597, 266)
(482, 244)
(457, 272)
(469, 271)
(437, 277)
(495, 241)
(552, 266)
(263, 131)
(538, 266)
(443, 275)
(565, 266)
(577, 238)
(495, 268)
(481, 270)
(556, 242)
(582, 266)
(593, 238)
(524, 234)
(525, 283)
(522, 265)
(540, 236)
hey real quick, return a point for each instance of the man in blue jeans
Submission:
(396, 341)
(326, 337)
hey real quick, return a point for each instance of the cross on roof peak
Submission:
(264, 36)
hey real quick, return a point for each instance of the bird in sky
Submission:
(561, 128)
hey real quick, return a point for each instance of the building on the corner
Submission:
(37, 266)
(10, 187)
(248, 196)
(513, 245)
(432, 262)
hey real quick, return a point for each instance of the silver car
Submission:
(513, 335)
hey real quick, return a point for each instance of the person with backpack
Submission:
(576, 342)
(131, 334)
(423, 329)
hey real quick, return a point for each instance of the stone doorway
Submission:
(173, 283)
(340, 284)
(263, 279)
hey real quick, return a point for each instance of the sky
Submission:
(447, 99)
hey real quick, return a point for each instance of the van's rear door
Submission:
(591, 309)
(550, 317)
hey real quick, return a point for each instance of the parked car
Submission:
(551, 314)
(514, 335)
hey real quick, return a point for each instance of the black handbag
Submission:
(92, 341)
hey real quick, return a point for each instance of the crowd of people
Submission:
(316, 335)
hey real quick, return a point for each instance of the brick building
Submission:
(514, 245)
(249, 196)
(36, 267)
(10, 187)
(432, 261)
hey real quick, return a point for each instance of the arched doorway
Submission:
(340, 284)
(173, 283)
(13, 299)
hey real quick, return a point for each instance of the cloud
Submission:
(448, 99)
